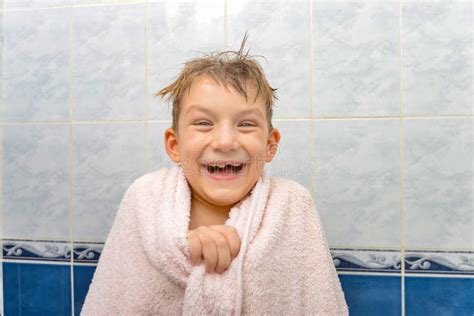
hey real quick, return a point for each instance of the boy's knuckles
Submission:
(221, 241)
(233, 230)
(217, 245)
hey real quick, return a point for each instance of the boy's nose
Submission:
(225, 139)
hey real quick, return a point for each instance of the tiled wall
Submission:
(375, 110)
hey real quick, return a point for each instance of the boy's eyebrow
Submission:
(203, 109)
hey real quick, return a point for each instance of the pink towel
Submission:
(284, 266)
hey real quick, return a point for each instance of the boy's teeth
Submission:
(228, 169)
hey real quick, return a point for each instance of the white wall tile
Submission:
(437, 58)
(439, 185)
(178, 31)
(356, 58)
(107, 158)
(280, 31)
(109, 62)
(293, 159)
(36, 65)
(358, 181)
(35, 181)
(34, 4)
(157, 156)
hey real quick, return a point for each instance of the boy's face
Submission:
(218, 125)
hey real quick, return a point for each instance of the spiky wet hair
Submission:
(227, 68)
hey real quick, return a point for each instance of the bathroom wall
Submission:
(375, 110)
(1, 153)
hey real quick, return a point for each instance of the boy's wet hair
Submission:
(226, 68)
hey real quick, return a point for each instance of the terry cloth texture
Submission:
(284, 266)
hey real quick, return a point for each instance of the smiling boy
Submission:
(220, 127)
(262, 234)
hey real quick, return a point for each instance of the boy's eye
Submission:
(201, 123)
(247, 124)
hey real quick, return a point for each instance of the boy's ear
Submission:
(272, 144)
(171, 145)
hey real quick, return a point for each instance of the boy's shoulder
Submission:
(152, 176)
(291, 188)
(149, 180)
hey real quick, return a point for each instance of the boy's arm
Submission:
(125, 282)
(114, 268)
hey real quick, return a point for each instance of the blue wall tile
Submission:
(439, 296)
(372, 295)
(36, 289)
(82, 279)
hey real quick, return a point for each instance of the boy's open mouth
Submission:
(224, 170)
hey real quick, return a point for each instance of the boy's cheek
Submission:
(190, 167)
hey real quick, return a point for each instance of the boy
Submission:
(260, 239)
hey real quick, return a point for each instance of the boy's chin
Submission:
(225, 199)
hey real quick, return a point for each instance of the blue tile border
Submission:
(416, 261)
(367, 260)
(350, 260)
(445, 262)
(41, 250)
(89, 252)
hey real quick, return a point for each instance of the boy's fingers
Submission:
(218, 245)
(223, 251)
(209, 248)
(195, 248)
(232, 236)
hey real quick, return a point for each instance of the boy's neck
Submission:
(204, 214)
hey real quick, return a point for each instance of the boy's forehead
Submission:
(197, 104)
(207, 109)
(199, 81)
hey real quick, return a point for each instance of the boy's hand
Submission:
(218, 244)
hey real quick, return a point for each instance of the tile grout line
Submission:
(402, 165)
(88, 5)
(328, 118)
(71, 149)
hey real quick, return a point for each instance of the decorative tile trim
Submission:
(445, 262)
(367, 260)
(389, 261)
(40, 250)
(352, 260)
(87, 253)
